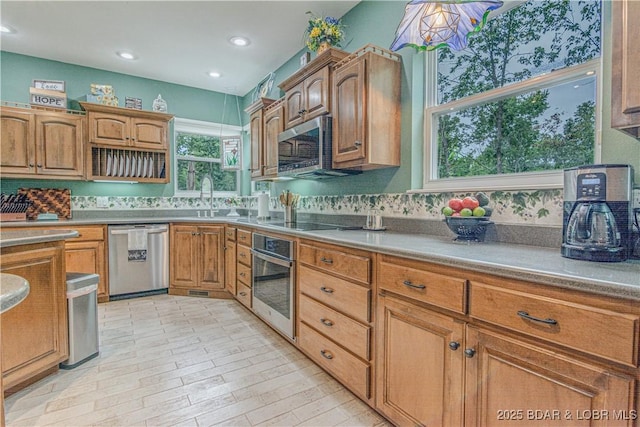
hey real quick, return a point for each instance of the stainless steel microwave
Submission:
(304, 151)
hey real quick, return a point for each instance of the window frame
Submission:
(512, 181)
(199, 127)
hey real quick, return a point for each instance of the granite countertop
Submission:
(13, 291)
(16, 238)
(533, 263)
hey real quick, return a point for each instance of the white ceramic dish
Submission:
(108, 170)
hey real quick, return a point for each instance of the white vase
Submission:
(233, 212)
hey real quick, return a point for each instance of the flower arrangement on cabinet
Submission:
(323, 32)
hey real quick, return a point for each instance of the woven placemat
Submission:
(48, 200)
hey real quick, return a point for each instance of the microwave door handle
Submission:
(270, 258)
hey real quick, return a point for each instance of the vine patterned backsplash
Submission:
(538, 207)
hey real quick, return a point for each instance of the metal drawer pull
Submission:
(243, 255)
(547, 321)
(242, 274)
(411, 285)
(326, 322)
(244, 294)
(326, 290)
(326, 354)
(326, 260)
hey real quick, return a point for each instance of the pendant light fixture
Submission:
(430, 24)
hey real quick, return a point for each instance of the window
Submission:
(519, 104)
(198, 154)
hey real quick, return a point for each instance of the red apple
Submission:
(455, 204)
(470, 203)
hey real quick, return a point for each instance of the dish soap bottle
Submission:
(160, 104)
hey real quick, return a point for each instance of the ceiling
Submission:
(174, 41)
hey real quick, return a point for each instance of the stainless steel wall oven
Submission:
(273, 281)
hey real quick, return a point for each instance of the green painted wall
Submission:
(371, 21)
(18, 71)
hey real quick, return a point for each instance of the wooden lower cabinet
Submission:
(87, 254)
(243, 275)
(34, 333)
(230, 267)
(512, 382)
(420, 365)
(197, 260)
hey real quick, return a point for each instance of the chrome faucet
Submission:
(206, 186)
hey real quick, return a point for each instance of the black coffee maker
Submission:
(596, 223)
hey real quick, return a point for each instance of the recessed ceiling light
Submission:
(214, 74)
(126, 55)
(239, 41)
(6, 29)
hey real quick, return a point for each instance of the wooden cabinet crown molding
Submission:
(328, 57)
(130, 112)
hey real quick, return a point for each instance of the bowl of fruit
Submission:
(468, 217)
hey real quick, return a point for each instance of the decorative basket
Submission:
(468, 228)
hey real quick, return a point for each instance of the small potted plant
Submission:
(323, 33)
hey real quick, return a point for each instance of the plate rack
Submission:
(128, 165)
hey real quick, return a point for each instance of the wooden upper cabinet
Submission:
(273, 125)
(59, 144)
(308, 91)
(18, 155)
(121, 127)
(36, 142)
(366, 110)
(257, 136)
(308, 99)
(625, 67)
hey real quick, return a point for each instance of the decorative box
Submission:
(47, 98)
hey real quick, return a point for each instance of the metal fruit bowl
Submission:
(468, 228)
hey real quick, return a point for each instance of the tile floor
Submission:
(180, 361)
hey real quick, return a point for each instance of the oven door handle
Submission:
(271, 258)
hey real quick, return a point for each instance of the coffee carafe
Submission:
(597, 213)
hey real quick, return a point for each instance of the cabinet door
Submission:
(59, 143)
(34, 333)
(17, 155)
(506, 376)
(294, 106)
(184, 256)
(230, 267)
(149, 134)
(255, 127)
(625, 69)
(273, 125)
(211, 271)
(419, 365)
(348, 114)
(88, 257)
(109, 129)
(316, 94)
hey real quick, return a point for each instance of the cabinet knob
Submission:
(326, 322)
(357, 143)
(243, 294)
(469, 353)
(39, 165)
(31, 165)
(301, 112)
(326, 290)
(454, 345)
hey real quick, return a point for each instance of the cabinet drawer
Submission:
(230, 233)
(88, 233)
(346, 297)
(244, 255)
(345, 331)
(350, 370)
(244, 294)
(244, 237)
(590, 329)
(410, 279)
(244, 274)
(347, 265)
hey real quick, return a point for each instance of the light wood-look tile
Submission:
(179, 361)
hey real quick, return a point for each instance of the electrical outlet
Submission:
(102, 201)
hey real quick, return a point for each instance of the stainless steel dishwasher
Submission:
(138, 260)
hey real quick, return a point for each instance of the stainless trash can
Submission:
(82, 305)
